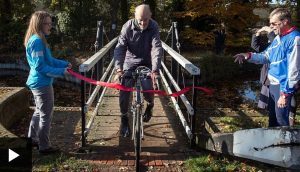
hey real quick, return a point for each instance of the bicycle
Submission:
(140, 73)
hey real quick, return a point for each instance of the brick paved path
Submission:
(164, 147)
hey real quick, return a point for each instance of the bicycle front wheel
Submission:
(137, 140)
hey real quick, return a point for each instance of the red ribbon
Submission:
(123, 88)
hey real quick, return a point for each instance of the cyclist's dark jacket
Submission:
(138, 47)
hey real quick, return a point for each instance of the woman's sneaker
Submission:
(32, 144)
(49, 150)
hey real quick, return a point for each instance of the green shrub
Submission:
(221, 68)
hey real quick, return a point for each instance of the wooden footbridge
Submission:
(169, 135)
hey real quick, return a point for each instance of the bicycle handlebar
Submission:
(144, 72)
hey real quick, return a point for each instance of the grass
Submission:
(208, 162)
(62, 162)
(232, 124)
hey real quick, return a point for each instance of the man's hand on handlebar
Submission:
(117, 78)
(154, 77)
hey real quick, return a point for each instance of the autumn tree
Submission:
(206, 16)
(298, 13)
(124, 11)
(14, 15)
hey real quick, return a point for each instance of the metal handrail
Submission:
(177, 88)
(187, 65)
(87, 65)
(177, 108)
(95, 112)
(96, 90)
(95, 62)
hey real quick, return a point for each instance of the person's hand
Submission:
(292, 120)
(265, 28)
(66, 72)
(240, 58)
(282, 101)
(154, 77)
(118, 76)
(69, 66)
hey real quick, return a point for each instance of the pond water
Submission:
(250, 91)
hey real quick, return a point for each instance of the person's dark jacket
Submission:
(260, 43)
(138, 47)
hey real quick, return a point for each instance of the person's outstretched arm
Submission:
(40, 64)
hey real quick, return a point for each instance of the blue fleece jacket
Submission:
(43, 67)
(283, 55)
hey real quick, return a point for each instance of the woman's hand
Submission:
(69, 66)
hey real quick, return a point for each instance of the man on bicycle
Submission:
(138, 45)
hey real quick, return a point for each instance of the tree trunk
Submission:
(114, 8)
(152, 4)
(6, 10)
(124, 10)
(298, 14)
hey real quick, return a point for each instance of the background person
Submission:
(220, 37)
(261, 39)
(138, 45)
(43, 68)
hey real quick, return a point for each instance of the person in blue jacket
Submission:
(43, 68)
(283, 57)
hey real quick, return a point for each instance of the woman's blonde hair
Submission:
(35, 26)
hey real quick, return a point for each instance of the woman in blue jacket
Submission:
(43, 68)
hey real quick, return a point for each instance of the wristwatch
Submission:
(284, 95)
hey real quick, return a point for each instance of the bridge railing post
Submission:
(174, 63)
(193, 117)
(99, 45)
(113, 30)
(83, 111)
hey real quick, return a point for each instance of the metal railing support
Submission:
(173, 45)
(193, 117)
(99, 36)
(113, 30)
(86, 68)
(99, 45)
(83, 113)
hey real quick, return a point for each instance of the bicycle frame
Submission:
(137, 109)
(137, 106)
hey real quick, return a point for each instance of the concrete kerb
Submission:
(13, 105)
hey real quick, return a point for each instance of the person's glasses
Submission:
(48, 24)
(274, 24)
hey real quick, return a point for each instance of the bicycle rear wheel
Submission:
(137, 140)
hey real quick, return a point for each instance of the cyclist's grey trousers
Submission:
(39, 129)
(124, 98)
